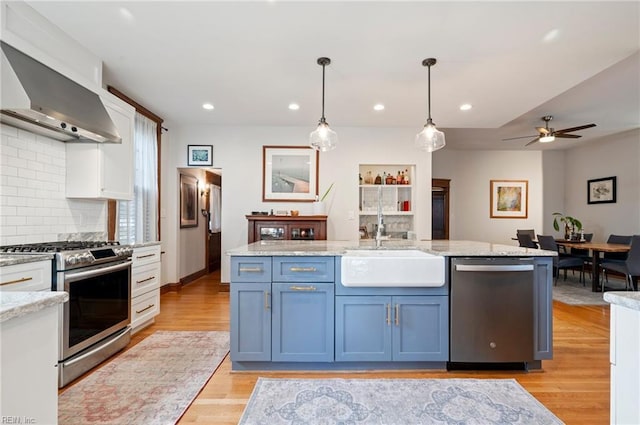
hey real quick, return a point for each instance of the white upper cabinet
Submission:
(104, 170)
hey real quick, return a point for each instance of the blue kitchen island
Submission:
(291, 311)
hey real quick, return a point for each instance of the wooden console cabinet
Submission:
(274, 227)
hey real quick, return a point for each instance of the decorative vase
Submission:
(319, 208)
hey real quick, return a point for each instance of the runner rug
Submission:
(154, 382)
(393, 401)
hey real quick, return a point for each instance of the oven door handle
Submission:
(96, 272)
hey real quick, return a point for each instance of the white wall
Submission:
(238, 152)
(618, 156)
(33, 206)
(553, 172)
(470, 173)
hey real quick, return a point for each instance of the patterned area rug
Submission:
(393, 401)
(152, 383)
(571, 291)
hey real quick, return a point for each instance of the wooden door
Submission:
(440, 209)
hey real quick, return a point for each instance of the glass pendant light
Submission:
(323, 138)
(430, 138)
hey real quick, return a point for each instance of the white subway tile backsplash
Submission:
(33, 205)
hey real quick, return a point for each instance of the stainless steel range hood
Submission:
(41, 100)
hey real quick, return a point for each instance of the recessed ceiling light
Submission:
(551, 35)
(378, 107)
(465, 106)
(126, 14)
(294, 106)
(207, 106)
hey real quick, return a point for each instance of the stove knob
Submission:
(87, 258)
(72, 260)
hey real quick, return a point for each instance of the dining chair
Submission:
(630, 267)
(562, 261)
(616, 256)
(525, 241)
(530, 232)
(584, 253)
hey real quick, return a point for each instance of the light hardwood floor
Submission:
(574, 385)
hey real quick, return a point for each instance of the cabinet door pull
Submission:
(389, 314)
(23, 279)
(397, 314)
(266, 300)
(145, 309)
(303, 269)
(302, 288)
(251, 269)
(144, 256)
(145, 280)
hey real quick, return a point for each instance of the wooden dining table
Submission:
(596, 248)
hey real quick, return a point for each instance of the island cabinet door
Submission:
(250, 321)
(363, 328)
(420, 328)
(543, 309)
(303, 322)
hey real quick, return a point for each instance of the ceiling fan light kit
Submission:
(323, 138)
(546, 134)
(430, 138)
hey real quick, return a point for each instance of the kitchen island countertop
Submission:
(626, 299)
(15, 304)
(447, 248)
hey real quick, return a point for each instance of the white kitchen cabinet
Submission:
(625, 365)
(104, 170)
(32, 276)
(145, 286)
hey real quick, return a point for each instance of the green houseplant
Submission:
(571, 224)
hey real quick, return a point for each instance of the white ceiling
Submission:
(251, 59)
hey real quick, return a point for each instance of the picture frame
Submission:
(289, 173)
(188, 201)
(509, 198)
(601, 191)
(199, 155)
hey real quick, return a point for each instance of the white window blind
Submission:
(137, 219)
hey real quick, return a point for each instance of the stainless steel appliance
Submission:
(492, 317)
(95, 322)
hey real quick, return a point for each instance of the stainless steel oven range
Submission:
(95, 322)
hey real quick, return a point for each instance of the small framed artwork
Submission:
(289, 173)
(200, 155)
(509, 198)
(601, 191)
(188, 201)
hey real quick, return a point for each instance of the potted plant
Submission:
(571, 224)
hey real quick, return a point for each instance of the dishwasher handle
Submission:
(494, 268)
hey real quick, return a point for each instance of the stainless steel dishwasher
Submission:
(492, 317)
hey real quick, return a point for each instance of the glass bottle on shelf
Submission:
(378, 179)
(369, 178)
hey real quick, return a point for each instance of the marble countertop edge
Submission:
(14, 304)
(623, 298)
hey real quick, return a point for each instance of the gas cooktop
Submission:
(51, 247)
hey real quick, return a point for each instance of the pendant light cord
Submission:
(322, 119)
(429, 88)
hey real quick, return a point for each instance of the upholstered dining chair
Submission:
(630, 267)
(616, 256)
(530, 232)
(584, 254)
(562, 261)
(525, 241)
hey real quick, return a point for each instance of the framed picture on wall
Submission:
(601, 191)
(200, 155)
(289, 173)
(509, 198)
(188, 201)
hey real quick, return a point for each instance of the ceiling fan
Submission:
(546, 134)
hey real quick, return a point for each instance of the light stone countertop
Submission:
(14, 304)
(10, 259)
(626, 299)
(143, 244)
(445, 248)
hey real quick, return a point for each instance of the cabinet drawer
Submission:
(303, 269)
(145, 307)
(34, 276)
(146, 255)
(250, 269)
(145, 278)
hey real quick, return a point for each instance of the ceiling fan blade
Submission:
(533, 141)
(569, 130)
(521, 137)
(542, 130)
(567, 136)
